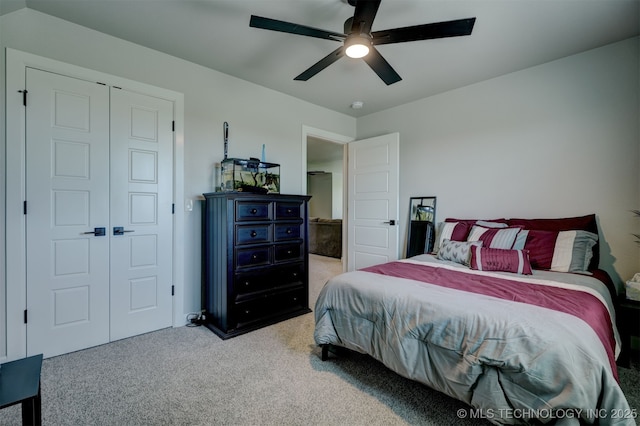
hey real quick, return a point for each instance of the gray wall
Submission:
(559, 139)
(337, 184)
(256, 115)
(554, 140)
(319, 187)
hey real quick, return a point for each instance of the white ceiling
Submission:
(509, 35)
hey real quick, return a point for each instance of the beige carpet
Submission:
(272, 376)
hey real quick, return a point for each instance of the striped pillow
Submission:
(455, 231)
(560, 251)
(500, 238)
(490, 259)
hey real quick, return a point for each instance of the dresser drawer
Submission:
(247, 284)
(285, 252)
(288, 210)
(254, 256)
(252, 210)
(291, 274)
(252, 234)
(268, 306)
(287, 231)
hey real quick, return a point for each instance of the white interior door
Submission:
(372, 201)
(141, 213)
(97, 159)
(67, 187)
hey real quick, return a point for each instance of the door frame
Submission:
(15, 284)
(339, 139)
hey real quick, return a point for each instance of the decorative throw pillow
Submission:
(580, 223)
(457, 251)
(490, 259)
(488, 224)
(560, 251)
(501, 238)
(455, 231)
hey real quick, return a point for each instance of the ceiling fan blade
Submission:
(381, 67)
(321, 64)
(364, 15)
(460, 27)
(288, 27)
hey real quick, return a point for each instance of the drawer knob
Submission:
(295, 275)
(247, 284)
(254, 211)
(288, 251)
(289, 210)
(289, 230)
(253, 233)
(254, 257)
(247, 312)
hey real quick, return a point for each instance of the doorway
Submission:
(369, 225)
(324, 158)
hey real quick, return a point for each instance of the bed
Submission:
(510, 316)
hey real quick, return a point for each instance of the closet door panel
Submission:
(67, 194)
(141, 213)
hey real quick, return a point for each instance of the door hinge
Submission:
(173, 208)
(24, 96)
(24, 207)
(173, 290)
(25, 316)
(173, 126)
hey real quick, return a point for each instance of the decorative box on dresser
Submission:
(255, 260)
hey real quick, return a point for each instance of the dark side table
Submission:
(628, 316)
(20, 383)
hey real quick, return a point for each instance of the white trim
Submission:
(16, 64)
(340, 139)
(322, 134)
(16, 332)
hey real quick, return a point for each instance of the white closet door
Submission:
(141, 207)
(67, 194)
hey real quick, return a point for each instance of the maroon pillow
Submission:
(460, 231)
(584, 223)
(491, 259)
(464, 225)
(560, 251)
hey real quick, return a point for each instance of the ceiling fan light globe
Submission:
(357, 50)
(357, 45)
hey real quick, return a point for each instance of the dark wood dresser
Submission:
(255, 260)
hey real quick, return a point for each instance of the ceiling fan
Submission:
(358, 40)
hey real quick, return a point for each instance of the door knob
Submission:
(98, 232)
(119, 230)
(390, 222)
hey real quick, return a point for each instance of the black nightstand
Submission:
(628, 319)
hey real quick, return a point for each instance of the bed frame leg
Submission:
(325, 352)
